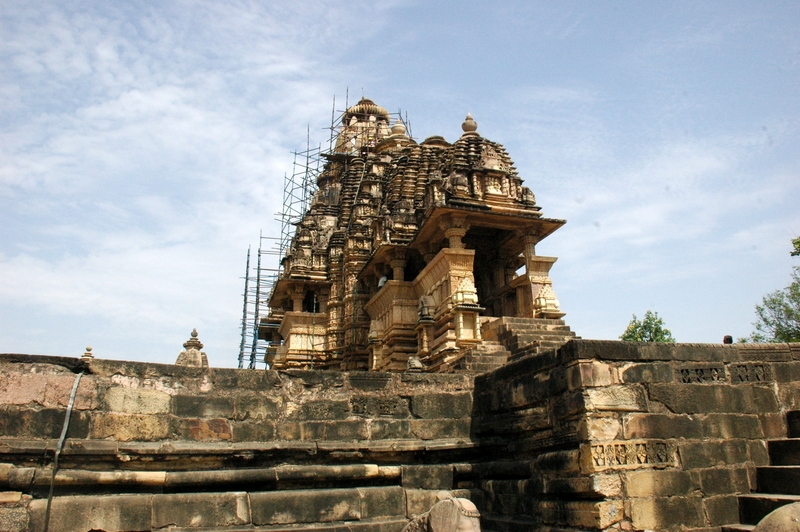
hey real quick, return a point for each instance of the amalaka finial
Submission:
(469, 124)
(398, 128)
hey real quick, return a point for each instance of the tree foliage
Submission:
(649, 329)
(778, 315)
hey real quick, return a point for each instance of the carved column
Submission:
(455, 227)
(297, 298)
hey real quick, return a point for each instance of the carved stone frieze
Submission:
(629, 454)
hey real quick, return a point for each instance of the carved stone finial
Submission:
(88, 353)
(193, 342)
(469, 124)
(399, 128)
(191, 355)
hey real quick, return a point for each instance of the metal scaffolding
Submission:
(298, 190)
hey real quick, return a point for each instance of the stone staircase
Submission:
(778, 483)
(486, 356)
(527, 336)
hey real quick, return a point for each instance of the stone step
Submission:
(534, 334)
(784, 452)
(371, 525)
(753, 507)
(512, 331)
(793, 421)
(779, 479)
(736, 528)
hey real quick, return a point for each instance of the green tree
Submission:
(778, 315)
(649, 329)
(796, 245)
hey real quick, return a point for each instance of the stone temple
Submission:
(422, 380)
(412, 251)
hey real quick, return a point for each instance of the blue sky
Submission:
(143, 147)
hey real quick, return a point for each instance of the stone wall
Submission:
(596, 436)
(616, 435)
(160, 446)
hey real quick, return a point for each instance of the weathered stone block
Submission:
(13, 519)
(758, 453)
(389, 429)
(419, 501)
(22, 389)
(375, 406)
(288, 430)
(625, 398)
(382, 502)
(253, 431)
(658, 483)
(599, 428)
(371, 381)
(432, 429)
(46, 423)
(201, 510)
(713, 453)
(732, 426)
(442, 405)
(584, 514)
(659, 514)
(346, 430)
(130, 401)
(718, 481)
(321, 411)
(789, 395)
(568, 404)
(428, 477)
(648, 372)
(305, 506)
(773, 425)
(311, 378)
(592, 486)
(714, 398)
(131, 513)
(661, 426)
(561, 461)
(722, 510)
(588, 374)
(59, 389)
(205, 429)
(203, 406)
(127, 427)
(787, 372)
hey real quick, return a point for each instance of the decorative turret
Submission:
(191, 355)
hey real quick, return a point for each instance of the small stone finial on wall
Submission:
(191, 356)
(88, 354)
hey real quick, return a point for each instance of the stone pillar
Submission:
(297, 299)
(323, 300)
(398, 269)
(455, 227)
(529, 252)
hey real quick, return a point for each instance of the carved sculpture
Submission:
(449, 514)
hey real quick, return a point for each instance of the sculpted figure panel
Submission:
(450, 514)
